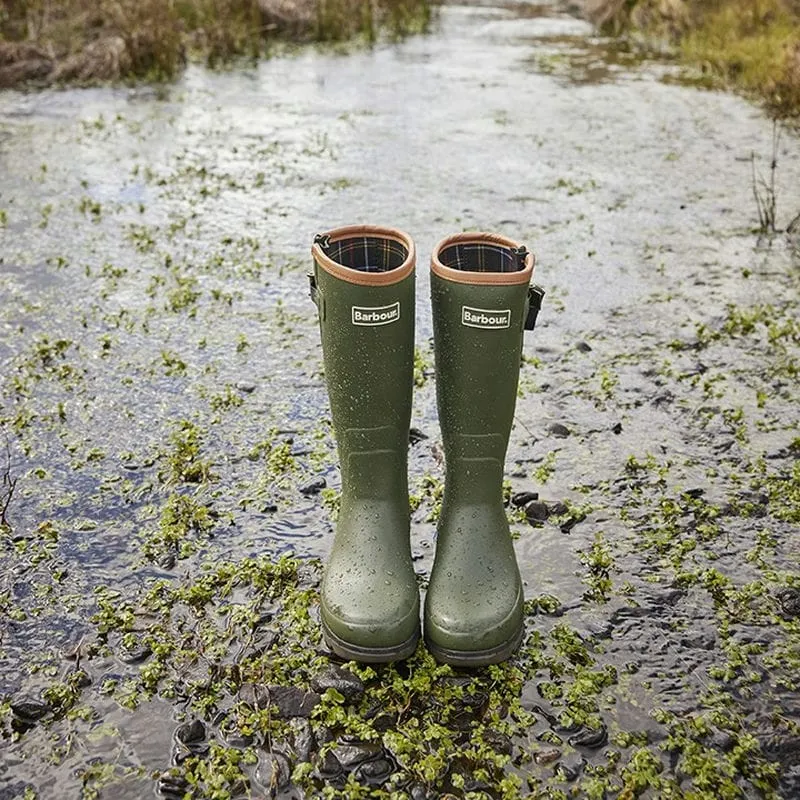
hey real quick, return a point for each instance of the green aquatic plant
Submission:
(183, 462)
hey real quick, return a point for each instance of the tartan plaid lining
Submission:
(480, 258)
(368, 253)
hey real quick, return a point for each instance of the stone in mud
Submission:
(134, 654)
(375, 771)
(499, 742)
(558, 430)
(329, 766)
(558, 508)
(79, 678)
(351, 755)
(521, 499)
(167, 561)
(302, 739)
(173, 787)
(245, 386)
(570, 766)
(290, 701)
(14, 791)
(722, 740)
(789, 600)
(233, 735)
(418, 792)
(273, 771)
(254, 695)
(547, 755)
(315, 487)
(191, 732)
(264, 640)
(468, 698)
(537, 511)
(29, 709)
(342, 680)
(380, 719)
(590, 738)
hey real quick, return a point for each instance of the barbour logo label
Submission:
(485, 317)
(377, 315)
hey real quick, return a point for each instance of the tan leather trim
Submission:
(480, 278)
(367, 278)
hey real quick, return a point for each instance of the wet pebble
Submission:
(264, 640)
(342, 680)
(290, 701)
(135, 653)
(79, 678)
(302, 739)
(789, 600)
(255, 695)
(315, 487)
(351, 755)
(547, 755)
(722, 740)
(191, 732)
(233, 735)
(29, 709)
(329, 766)
(167, 561)
(558, 430)
(273, 771)
(419, 792)
(537, 511)
(375, 771)
(499, 742)
(571, 766)
(173, 787)
(521, 499)
(590, 738)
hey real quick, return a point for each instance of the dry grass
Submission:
(95, 40)
(750, 44)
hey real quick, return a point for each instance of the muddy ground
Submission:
(168, 484)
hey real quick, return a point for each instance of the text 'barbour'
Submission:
(380, 315)
(485, 318)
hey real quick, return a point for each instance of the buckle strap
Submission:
(535, 297)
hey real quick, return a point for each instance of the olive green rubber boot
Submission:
(480, 298)
(363, 285)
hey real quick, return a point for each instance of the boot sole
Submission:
(369, 655)
(476, 658)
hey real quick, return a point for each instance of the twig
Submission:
(764, 192)
(8, 485)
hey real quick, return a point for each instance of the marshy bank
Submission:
(168, 476)
(751, 45)
(74, 41)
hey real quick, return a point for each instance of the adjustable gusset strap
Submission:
(313, 291)
(324, 241)
(535, 297)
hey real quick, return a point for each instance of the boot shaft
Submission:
(479, 295)
(363, 286)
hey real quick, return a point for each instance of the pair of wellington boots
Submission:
(363, 286)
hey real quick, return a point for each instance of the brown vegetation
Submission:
(47, 41)
(751, 44)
